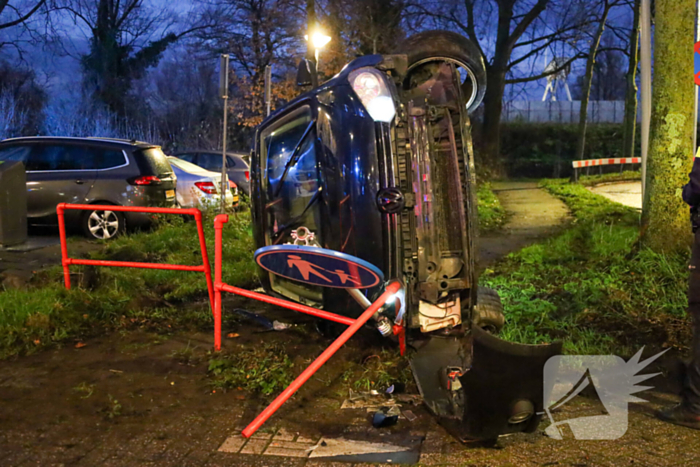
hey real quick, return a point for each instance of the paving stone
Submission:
(233, 444)
(255, 446)
(284, 435)
(285, 452)
(304, 439)
(288, 449)
(260, 435)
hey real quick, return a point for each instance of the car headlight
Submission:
(370, 87)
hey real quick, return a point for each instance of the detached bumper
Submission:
(481, 387)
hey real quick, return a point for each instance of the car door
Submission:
(291, 187)
(58, 173)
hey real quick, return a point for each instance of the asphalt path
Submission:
(627, 193)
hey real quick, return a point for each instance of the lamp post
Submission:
(318, 40)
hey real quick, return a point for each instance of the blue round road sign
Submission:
(318, 266)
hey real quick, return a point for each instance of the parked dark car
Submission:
(378, 163)
(92, 171)
(237, 168)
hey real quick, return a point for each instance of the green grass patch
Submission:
(491, 214)
(628, 175)
(104, 299)
(261, 369)
(593, 286)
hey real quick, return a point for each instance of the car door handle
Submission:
(79, 182)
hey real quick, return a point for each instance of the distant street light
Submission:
(318, 40)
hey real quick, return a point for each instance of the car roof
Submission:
(90, 139)
(207, 151)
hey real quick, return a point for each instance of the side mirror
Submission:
(304, 76)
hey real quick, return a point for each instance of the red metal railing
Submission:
(67, 262)
(353, 324)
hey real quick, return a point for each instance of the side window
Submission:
(230, 162)
(15, 154)
(210, 161)
(186, 157)
(289, 155)
(279, 145)
(108, 158)
(60, 157)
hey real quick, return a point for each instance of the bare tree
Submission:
(511, 35)
(19, 14)
(255, 33)
(630, 122)
(126, 38)
(606, 6)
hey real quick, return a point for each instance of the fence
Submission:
(67, 262)
(587, 164)
(563, 111)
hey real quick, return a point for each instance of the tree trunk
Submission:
(665, 220)
(587, 80)
(493, 106)
(630, 123)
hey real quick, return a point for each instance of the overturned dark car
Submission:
(378, 163)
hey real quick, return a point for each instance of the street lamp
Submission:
(318, 41)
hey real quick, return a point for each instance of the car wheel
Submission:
(488, 312)
(429, 47)
(103, 225)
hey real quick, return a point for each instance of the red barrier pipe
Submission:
(287, 304)
(205, 258)
(323, 358)
(151, 210)
(205, 267)
(64, 245)
(130, 264)
(219, 222)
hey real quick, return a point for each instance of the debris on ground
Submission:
(409, 415)
(386, 416)
(262, 321)
(254, 317)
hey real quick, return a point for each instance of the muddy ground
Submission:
(133, 399)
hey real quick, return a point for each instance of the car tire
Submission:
(430, 46)
(103, 225)
(488, 312)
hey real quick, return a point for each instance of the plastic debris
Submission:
(410, 416)
(279, 326)
(386, 416)
(256, 318)
(390, 389)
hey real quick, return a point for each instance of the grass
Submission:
(102, 299)
(491, 214)
(628, 175)
(593, 286)
(261, 369)
(378, 372)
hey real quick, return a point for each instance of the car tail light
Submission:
(145, 180)
(247, 175)
(207, 187)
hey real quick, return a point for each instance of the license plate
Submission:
(170, 194)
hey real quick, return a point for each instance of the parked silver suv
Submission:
(92, 171)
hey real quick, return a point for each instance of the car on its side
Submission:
(237, 168)
(199, 188)
(92, 171)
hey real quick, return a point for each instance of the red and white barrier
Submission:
(610, 161)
